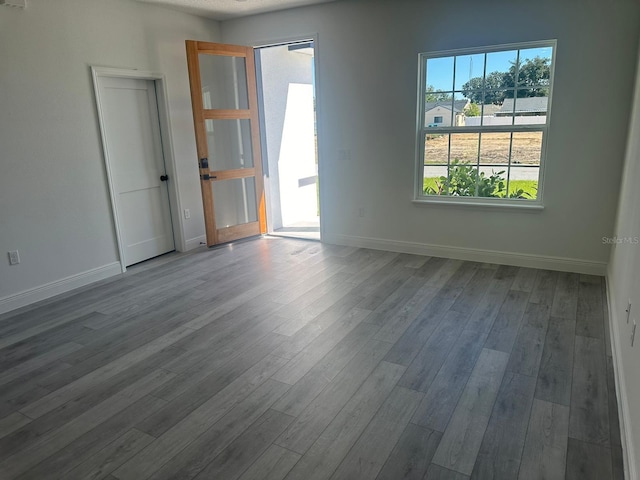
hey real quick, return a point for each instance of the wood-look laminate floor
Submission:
(286, 359)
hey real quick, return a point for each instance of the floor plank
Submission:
(441, 398)
(245, 449)
(368, 454)
(194, 425)
(436, 472)
(590, 309)
(544, 288)
(529, 343)
(556, 364)
(216, 393)
(525, 279)
(589, 419)
(565, 300)
(274, 464)
(92, 442)
(203, 449)
(507, 323)
(111, 457)
(503, 441)
(412, 454)
(545, 449)
(324, 456)
(54, 441)
(462, 438)
(319, 413)
(12, 422)
(586, 461)
(487, 308)
(426, 364)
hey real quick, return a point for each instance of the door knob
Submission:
(164, 178)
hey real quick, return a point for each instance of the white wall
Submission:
(54, 201)
(624, 285)
(367, 53)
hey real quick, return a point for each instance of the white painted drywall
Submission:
(367, 53)
(54, 202)
(624, 285)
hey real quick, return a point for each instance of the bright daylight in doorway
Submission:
(290, 138)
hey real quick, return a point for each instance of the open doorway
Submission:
(286, 90)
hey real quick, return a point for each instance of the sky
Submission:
(440, 70)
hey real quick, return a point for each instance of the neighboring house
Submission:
(490, 109)
(525, 107)
(439, 113)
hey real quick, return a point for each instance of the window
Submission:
(487, 143)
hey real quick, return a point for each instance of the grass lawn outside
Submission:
(529, 186)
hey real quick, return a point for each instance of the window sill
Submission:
(525, 205)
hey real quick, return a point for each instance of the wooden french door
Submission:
(225, 115)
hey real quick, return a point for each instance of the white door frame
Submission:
(167, 148)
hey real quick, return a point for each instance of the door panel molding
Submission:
(226, 114)
(97, 73)
(234, 173)
(247, 230)
(208, 178)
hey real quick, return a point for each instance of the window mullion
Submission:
(484, 89)
(509, 164)
(453, 94)
(448, 163)
(478, 164)
(515, 89)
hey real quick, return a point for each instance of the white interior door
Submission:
(135, 157)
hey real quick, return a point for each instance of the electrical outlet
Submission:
(187, 213)
(633, 332)
(14, 257)
(628, 310)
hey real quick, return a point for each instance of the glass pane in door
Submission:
(229, 144)
(224, 82)
(235, 201)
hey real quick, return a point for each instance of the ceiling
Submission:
(225, 9)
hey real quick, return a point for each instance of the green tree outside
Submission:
(533, 75)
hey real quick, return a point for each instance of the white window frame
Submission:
(436, 117)
(422, 130)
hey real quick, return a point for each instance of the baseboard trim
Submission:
(195, 242)
(628, 450)
(472, 254)
(33, 295)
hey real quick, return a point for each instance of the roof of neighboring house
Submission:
(490, 109)
(458, 105)
(525, 105)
